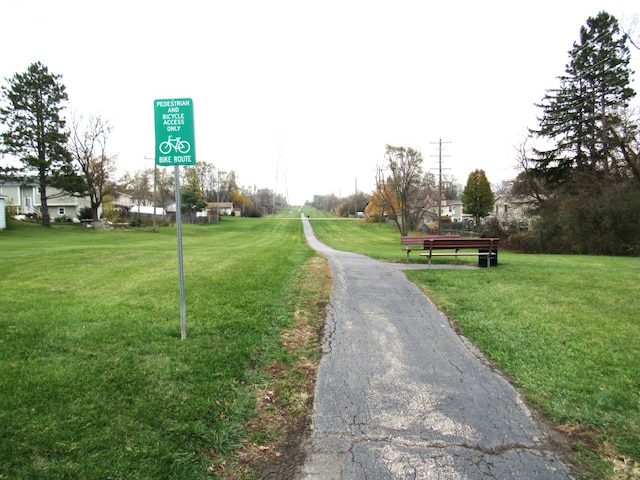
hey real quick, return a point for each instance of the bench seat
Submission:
(486, 247)
(419, 240)
(458, 254)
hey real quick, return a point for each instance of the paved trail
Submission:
(400, 396)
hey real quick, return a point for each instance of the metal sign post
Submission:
(175, 145)
(183, 307)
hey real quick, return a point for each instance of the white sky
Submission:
(310, 92)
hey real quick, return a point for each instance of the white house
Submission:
(453, 210)
(24, 198)
(222, 208)
(512, 208)
(3, 218)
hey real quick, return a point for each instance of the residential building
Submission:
(3, 218)
(221, 208)
(23, 197)
(510, 208)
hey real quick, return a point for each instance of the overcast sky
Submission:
(302, 96)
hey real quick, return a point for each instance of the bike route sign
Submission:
(175, 133)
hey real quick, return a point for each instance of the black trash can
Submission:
(482, 259)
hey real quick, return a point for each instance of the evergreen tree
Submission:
(593, 160)
(579, 117)
(477, 197)
(35, 130)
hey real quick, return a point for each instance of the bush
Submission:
(492, 228)
(136, 222)
(85, 214)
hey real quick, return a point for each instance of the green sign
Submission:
(175, 134)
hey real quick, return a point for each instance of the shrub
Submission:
(85, 214)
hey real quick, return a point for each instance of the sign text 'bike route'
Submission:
(175, 133)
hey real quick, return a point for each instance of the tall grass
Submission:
(565, 328)
(94, 379)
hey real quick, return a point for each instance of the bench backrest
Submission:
(451, 243)
(419, 240)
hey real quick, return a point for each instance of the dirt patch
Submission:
(284, 405)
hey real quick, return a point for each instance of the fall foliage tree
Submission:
(398, 184)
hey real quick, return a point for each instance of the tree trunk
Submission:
(44, 207)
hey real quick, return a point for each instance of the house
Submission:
(451, 210)
(3, 218)
(20, 197)
(509, 209)
(222, 208)
(454, 210)
(24, 199)
(122, 202)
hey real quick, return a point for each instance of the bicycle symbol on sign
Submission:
(176, 144)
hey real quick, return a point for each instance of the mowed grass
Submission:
(94, 379)
(566, 329)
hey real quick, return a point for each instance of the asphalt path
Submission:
(400, 395)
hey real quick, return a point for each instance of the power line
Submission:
(439, 143)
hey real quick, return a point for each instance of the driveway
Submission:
(400, 395)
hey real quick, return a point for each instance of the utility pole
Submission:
(439, 142)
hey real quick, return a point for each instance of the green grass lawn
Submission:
(565, 328)
(96, 383)
(94, 379)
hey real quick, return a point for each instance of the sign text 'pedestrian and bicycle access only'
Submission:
(175, 133)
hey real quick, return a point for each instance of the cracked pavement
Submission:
(400, 395)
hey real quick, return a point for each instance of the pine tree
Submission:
(578, 118)
(35, 133)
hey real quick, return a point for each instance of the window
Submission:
(61, 211)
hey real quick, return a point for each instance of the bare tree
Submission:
(527, 182)
(202, 176)
(399, 184)
(140, 186)
(88, 147)
(165, 187)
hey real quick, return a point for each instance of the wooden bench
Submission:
(408, 241)
(486, 247)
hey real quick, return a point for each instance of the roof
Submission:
(220, 205)
(147, 210)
